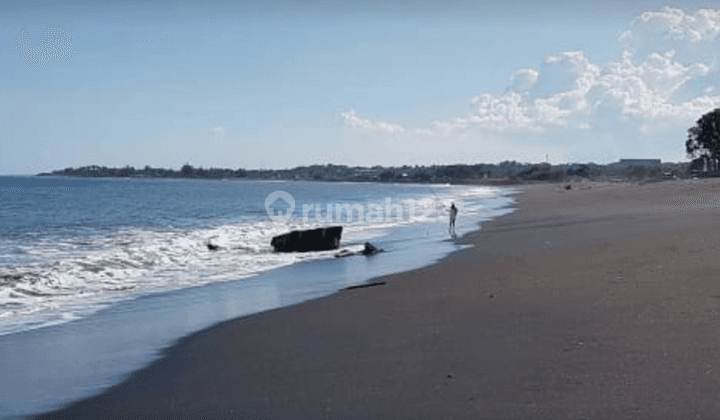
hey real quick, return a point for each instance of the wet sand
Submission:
(602, 301)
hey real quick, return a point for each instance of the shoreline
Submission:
(595, 303)
(171, 315)
(183, 243)
(164, 351)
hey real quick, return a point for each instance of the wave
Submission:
(62, 278)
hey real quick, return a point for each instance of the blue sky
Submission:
(282, 84)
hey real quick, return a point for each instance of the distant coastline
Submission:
(504, 173)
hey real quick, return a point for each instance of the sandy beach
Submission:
(597, 302)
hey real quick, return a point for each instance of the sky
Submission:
(279, 84)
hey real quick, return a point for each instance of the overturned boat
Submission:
(321, 239)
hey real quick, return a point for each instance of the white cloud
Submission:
(675, 23)
(645, 89)
(543, 106)
(694, 37)
(351, 120)
(524, 80)
(640, 89)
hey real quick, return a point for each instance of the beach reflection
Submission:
(52, 366)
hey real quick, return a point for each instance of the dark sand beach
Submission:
(598, 302)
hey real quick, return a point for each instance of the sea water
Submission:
(97, 275)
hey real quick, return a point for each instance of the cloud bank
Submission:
(667, 73)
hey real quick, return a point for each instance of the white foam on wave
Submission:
(128, 263)
(73, 278)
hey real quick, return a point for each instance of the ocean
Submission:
(98, 275)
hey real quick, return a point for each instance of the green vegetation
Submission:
(703, 143)
(507, 172)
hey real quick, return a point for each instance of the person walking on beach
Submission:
(453, 215)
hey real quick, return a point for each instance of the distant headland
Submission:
(507, 172)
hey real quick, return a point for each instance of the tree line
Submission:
(506, 172)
